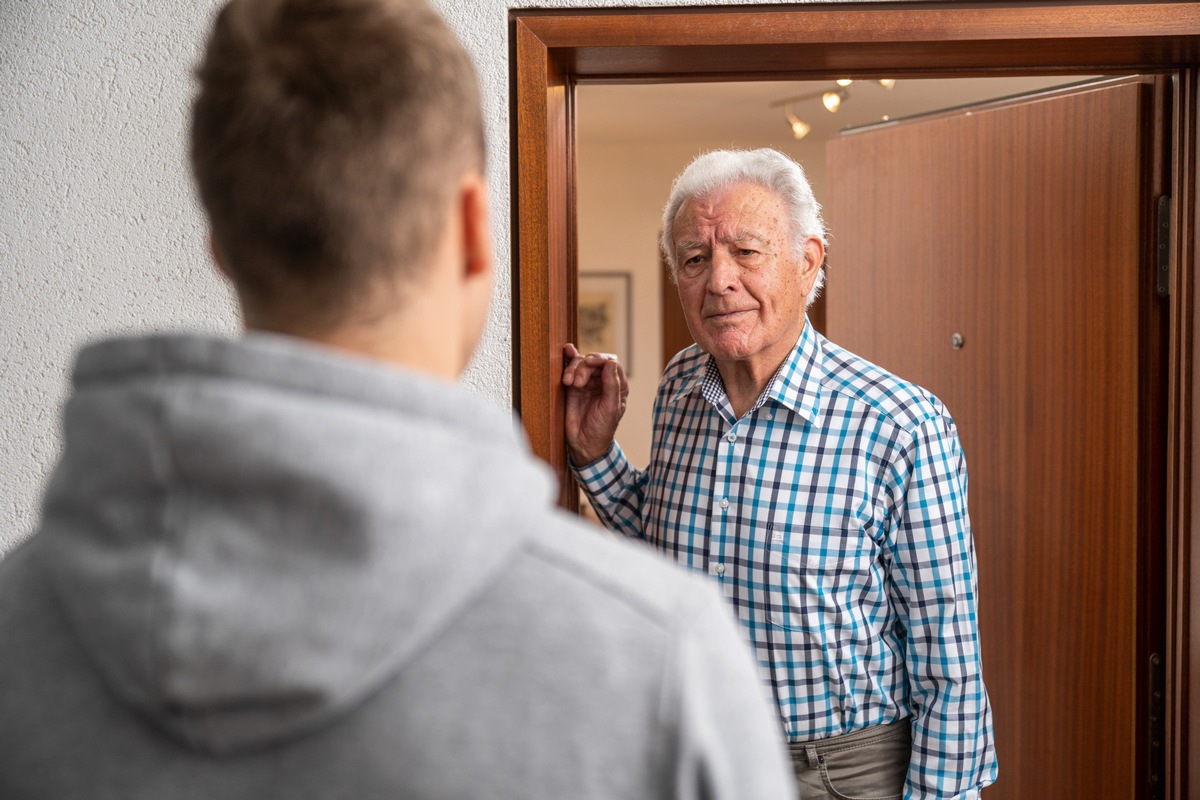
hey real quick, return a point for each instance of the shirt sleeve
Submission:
(617, 491)
(935, 594)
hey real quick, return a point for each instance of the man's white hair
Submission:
(766, 167)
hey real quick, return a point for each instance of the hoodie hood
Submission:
(249, 536)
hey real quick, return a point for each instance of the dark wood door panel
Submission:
(994, 256)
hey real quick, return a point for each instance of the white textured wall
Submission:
(99, 229)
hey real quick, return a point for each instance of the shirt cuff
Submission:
(599, 473)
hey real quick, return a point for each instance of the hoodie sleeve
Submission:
(728, 742)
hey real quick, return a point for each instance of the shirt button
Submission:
(720, 569)
(724, 502)
(731, 436)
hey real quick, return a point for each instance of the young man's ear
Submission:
(476, 276)
(477, 231)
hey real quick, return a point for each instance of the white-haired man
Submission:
(827, 497)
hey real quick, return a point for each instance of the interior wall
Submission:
(99, 230)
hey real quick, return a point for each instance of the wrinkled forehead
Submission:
(728, 213)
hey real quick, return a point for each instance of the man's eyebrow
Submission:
(739, 237)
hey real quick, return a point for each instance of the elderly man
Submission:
(303, 563)
(827, 497)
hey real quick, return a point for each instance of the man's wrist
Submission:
(579, 460)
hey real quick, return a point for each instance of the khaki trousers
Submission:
(869, 764)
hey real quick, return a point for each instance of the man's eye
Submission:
(694, 260)
(746, 252)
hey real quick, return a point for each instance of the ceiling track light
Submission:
(832, 100)
(800, 128)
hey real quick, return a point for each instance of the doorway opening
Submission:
(633, 139)
(556, 50)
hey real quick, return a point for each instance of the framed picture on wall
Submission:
(605, 320)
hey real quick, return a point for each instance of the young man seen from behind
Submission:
(304, 563)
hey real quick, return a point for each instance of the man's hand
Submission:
(596, 394)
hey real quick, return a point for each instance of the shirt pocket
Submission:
(814, 577)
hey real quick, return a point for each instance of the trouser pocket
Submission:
(870, 764)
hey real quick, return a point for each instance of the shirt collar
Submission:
(692, 381)
(796, 385)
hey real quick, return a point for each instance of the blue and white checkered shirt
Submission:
(834, 516)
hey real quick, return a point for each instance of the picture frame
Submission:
(605, 323)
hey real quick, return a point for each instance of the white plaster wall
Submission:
(99, 229)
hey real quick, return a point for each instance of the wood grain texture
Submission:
(675, 332)
(863, 22)
(1183, 441)
(544, 228)
(1019, 226)
(864, 39)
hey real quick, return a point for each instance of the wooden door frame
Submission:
(552, 50)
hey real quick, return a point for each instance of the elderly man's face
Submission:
(742, 288)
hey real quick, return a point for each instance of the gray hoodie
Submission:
(265, 569)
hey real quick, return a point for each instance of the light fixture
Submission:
(800, 128)
(833, 100)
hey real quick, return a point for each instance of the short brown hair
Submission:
(327, 138)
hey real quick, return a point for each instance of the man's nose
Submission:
(724, 273)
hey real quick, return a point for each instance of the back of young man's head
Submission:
(328, 138)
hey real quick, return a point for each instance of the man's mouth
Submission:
(727, 313)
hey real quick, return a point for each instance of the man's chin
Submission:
(722, 349)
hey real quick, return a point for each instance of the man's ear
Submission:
(814, 257)
(478, 257)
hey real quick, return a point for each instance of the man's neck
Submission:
(406, 346)
(746, 379)
(408, 338)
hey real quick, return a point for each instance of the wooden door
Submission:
(675, 332)
(1002, 257)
